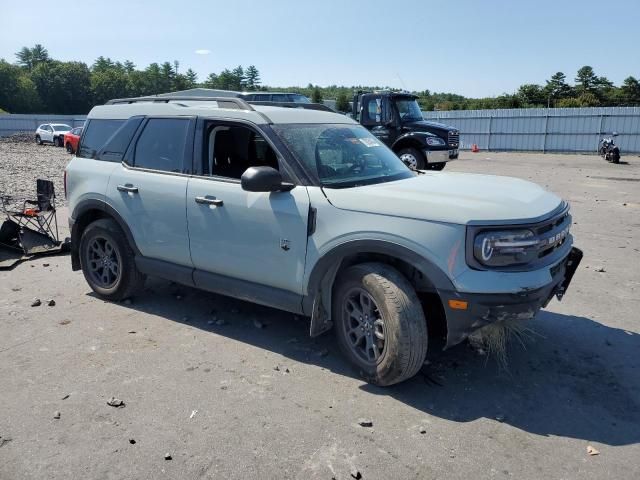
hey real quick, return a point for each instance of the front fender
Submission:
(317, 302)
(410, 139)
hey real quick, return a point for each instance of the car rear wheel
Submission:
(412, 158)
(379, 322)
(38, 140)
(108, 261)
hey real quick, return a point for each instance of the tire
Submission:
(437, 166)
(38, 140)
(109, 282)
(396, 313)
(69, 147)
(412, 158)
(615, 156)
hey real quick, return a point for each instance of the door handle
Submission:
(209, 201)
(127, 188)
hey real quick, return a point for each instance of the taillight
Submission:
(65, 183)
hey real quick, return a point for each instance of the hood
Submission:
(424, 124)
(460, 198)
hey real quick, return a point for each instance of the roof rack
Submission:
(225, 102)
(306, 106)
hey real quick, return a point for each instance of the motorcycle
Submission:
(609, 150)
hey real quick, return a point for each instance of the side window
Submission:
(231, 149)
(161, 145)
(372, 112)
(115, 147)
(261, 97)
(95, 135)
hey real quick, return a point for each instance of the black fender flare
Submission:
(78, 223)
(413, 139)
(317, 301)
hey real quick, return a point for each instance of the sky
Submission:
(474, 48)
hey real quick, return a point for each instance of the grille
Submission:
(552, 233)
(454, 139)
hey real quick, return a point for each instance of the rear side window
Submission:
(95, 135)
(161, 145)
(116, 146)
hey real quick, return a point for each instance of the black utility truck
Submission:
(396, 119)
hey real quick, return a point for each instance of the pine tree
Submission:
(252, 78)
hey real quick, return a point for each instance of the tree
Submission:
(586, 80)
(630, 91)
(109, 84)
(238, 78)
(342, 102)
(252, 77)
(532, 95)
(192, 78)
(65, 87)
(102, 64)
(316, 95)
(211, 81)
(30, 57)
(557, 87)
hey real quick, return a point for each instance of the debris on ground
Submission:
(365, 422)
(56, 415)
(592, 451)
(36, 302)
(65, 397)
(132, 441)
(600, 269)
(355, 473)
(132, 331)
(422, 430)
(115, 402)
(4, 440)
(64, 322)
(493, 339)
(51, 302)
(45, 265)
(193, 414)
(167, 456)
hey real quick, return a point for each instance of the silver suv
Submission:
(306, 211)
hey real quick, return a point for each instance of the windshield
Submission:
(299, 98)
(342, 156)
(408, 108)
(60, 126)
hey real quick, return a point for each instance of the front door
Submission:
(150, 193)
(376, 115)
(254, 237)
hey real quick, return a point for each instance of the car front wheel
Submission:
(108, 261)
(38, 140)
(379, 323)
(69, 148)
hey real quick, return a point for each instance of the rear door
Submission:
(148, 189)
(47, 133)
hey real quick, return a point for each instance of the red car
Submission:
(71, 139)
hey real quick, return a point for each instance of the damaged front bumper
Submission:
(483, 309)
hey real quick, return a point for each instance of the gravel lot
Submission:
(226, 399)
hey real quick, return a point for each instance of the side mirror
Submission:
(264, 179)
(615, 134)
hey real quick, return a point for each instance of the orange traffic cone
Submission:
(474, 148)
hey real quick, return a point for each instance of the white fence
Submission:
(14, 123)
(544, 129)
(533, 129)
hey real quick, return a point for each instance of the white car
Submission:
(52, 133)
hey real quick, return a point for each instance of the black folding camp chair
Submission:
(34, 227)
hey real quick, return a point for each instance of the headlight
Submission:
(435, 141)
(505, 248)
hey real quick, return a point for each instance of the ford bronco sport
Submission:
(308, 212)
